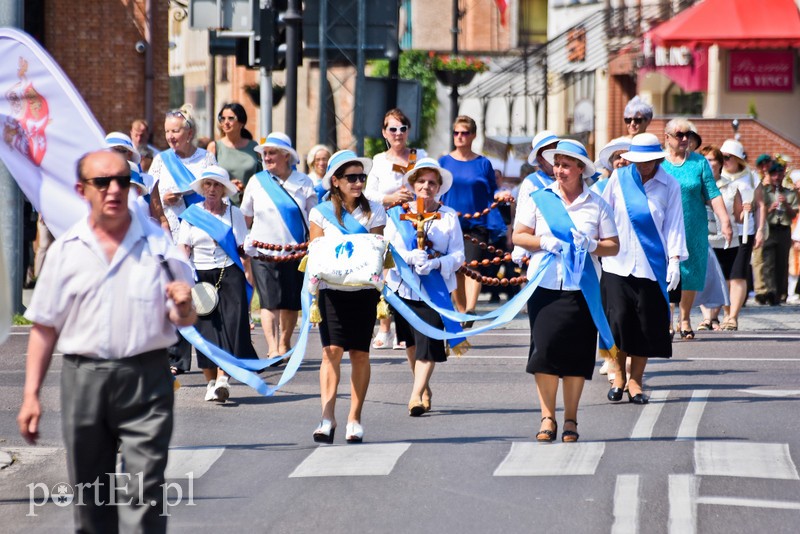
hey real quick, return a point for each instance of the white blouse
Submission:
(382, 180)
(206, 253)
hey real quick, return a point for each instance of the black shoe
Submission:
(639, 398)
(468, 324)
(615, 394)
(545, 436)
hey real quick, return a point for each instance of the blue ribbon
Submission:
(433, 283)
(219, 232)
(183, 176)
(285, 204)
(630, 182)
(560, 223)
(599, 186)
(351, 224)
(539, 179)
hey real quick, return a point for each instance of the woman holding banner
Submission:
(562, 225)
(649, 216)
(433, 268)
(348, 313)
(210, 234)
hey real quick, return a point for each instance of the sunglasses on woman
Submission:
(395, 129)
(635, 120)
(179, 114)
(222, 119)
(353, 178)
(680, 135)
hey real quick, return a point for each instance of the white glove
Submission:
(417, 257)
(583, 241)
(428, 266)
(550, 243)
(673, 274)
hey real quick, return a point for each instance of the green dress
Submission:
(241, 163)
(697, 188)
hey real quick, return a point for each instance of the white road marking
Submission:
(194, 460)
(772, 392)
(736, 459)
(754, 360)
(691, 419)
(749, 503)
(650, 412)
(683, 491)
(626, 505)
(526, 459)
(373, 459)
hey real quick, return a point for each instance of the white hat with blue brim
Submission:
(573, 149)
(541, 140)
(341, 158)
(218, 174)
(280, 141)
(644, 147)
(430, 163)
(119, 139)
(137, 179)
(620, 144)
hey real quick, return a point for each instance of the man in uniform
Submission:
(107, 303)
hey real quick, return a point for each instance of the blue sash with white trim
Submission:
(630, 182)
(182, 176)
(561, 224)
(351, 224)
(285, 204)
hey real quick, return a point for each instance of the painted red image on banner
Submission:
(761, 71)
(25, 131)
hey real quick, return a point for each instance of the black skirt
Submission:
(739, 270)
(228, 326)
(427, 349)
(638, 315)
(348, 318)
(726, 258)
(279, 285)
(563, 334)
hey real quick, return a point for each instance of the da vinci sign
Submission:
(761, 71)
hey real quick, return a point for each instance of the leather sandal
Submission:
(546, 436)
(570, 436)
(730, 324)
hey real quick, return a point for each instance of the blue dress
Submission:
(473, 188)
(697, 187)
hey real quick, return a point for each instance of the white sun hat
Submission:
(218, 174)
(734, 148)
(280, 141)
(119, 139)
(573, 149)
(343, 157)
(430, 163)
(540, 140)
(615, 145)
(644, 147)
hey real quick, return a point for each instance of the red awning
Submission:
(732, 24)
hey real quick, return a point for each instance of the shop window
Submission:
(532, 22)
(685, 104)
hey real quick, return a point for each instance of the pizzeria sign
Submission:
(761, 71)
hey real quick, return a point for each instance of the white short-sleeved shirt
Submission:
(746, 184)
(196, 163)
(591, 216)
(382, 180)
(446, 236)
(376, 219)
(108, 310)
(664, 199)
(728, 190)
(525, 188)
(206, 253)
(268, 225)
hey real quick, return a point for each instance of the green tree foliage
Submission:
(413, 66)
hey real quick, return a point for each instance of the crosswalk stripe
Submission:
(753, 460)
(191, 462)
(694, 411)
(526, 459)
(772, 392)
(373, 459)
(650, 413)
(626, 505)
(749, 503)
(683, 490)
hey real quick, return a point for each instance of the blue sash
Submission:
(351, 224)
(539, 179)
(433, 283)
(560, 223)
(183, 177)
(630, 182)
(599, 186)
(219, 232)
(286, 205)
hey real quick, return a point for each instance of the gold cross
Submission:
(419, 219)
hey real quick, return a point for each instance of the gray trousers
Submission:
(111, 404)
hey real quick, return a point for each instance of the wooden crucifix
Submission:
(419, 219)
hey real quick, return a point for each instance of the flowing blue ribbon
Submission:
(351, 224)
(630, 182)
(285, 204)
(219, 232)
(183, 176)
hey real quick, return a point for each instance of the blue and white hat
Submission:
(343, 157)
(644, 147)
(218, 174)
(573, 149)
(137, 179)
(541, 140)
(280, 141)
(615, 145)
(430, 163)
(115, 139)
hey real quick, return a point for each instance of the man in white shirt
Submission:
(105, 301)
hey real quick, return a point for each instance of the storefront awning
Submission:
(732, 24)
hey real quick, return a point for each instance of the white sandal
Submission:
(382, 340)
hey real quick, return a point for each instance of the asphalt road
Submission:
(714, 452)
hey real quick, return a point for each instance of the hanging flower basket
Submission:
(454, 77)
(455, 70)
(254, 92)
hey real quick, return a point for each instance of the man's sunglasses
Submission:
(101, 183)
(458, 133)
(635, 120)
(353, 178)
(395, 129)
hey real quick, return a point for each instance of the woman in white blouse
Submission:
(444, 253)
(227, 326)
